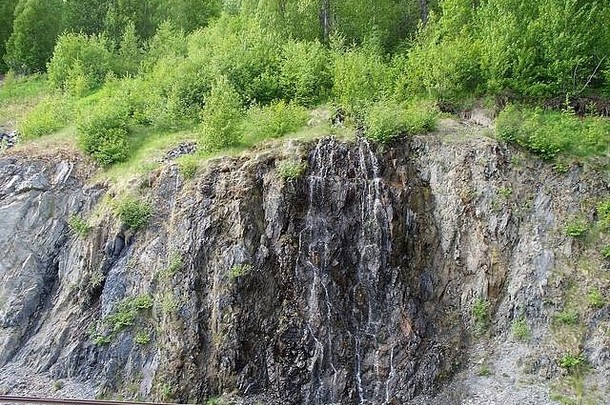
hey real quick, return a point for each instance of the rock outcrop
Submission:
(353, 283)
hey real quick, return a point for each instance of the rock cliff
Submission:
(376, 276)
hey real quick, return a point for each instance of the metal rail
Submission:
(13, 399)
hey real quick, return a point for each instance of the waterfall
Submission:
(356, 251)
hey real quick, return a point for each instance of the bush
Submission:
(242, 50)
(567, 317)
(103, 131)
(480, 313)
(78, 225)
(603, 213)
(80, 63)
(386, 120)
(596, 299)
(221, 117)
(274, 120)
(550, 133)
(291, 170)
(304, 72)
(133, 213)
(50, 115)
(573, 363)
(520, 329)
(576, 228)
(360, 77)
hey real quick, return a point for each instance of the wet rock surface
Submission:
(353, 284)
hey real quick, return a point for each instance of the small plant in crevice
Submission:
(603, 213)
(174, 266)
(240, 270)
(573, 363)
(567, 317)
(480, 313)
(187, 166)
(291, 170)
(606, 252)
(124, 316)
(505, 192)
(133, 213)
(576, 228)
(520, 329)
(596, 299)
(142, 338)
(78, 225)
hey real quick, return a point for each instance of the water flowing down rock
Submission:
(351, 284)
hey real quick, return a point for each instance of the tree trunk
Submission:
(325, 19)
(423, 7)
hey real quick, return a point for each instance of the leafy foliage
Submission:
(550, 133)
(273, 120)
(386, 120)
(134, 214)
(35, 29)
(80, 57)
(221, 117)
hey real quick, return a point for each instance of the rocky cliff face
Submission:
(354, 283)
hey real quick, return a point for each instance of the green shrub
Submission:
(573, 363)
(244, 51)
(78, 225)
(603, 213)
(273, 121)
(567, 317)
(606, 252)
(103, 131)
(360, 77)
(550, 133)
(133, 213)
(78, 57)
(386, 120)
(596, 299)
(50, 115)
(188, 165)
(240, 270)
(304, 72)
(576, 228)
(520, 329)
(291, 170)
(221, 117)
(480, 313)
(142, 338)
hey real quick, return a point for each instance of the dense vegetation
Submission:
(231, 70)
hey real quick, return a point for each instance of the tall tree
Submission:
(189, 14)
(142, 13)
(36, 27)
(85, 16)
(7, 15)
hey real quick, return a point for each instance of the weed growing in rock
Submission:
(596, 299)
(520, 329)
(603, 213)
(240, 270)
(133, 213)
(291, 170)
(142, 338)
(480, 313)
(505, 192)
(606, 252)
(188, 165)
(78, 225)
(576, 228)
(573, 363)
(174, 266)
(567, 317)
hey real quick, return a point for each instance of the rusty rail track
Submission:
(13, 399)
